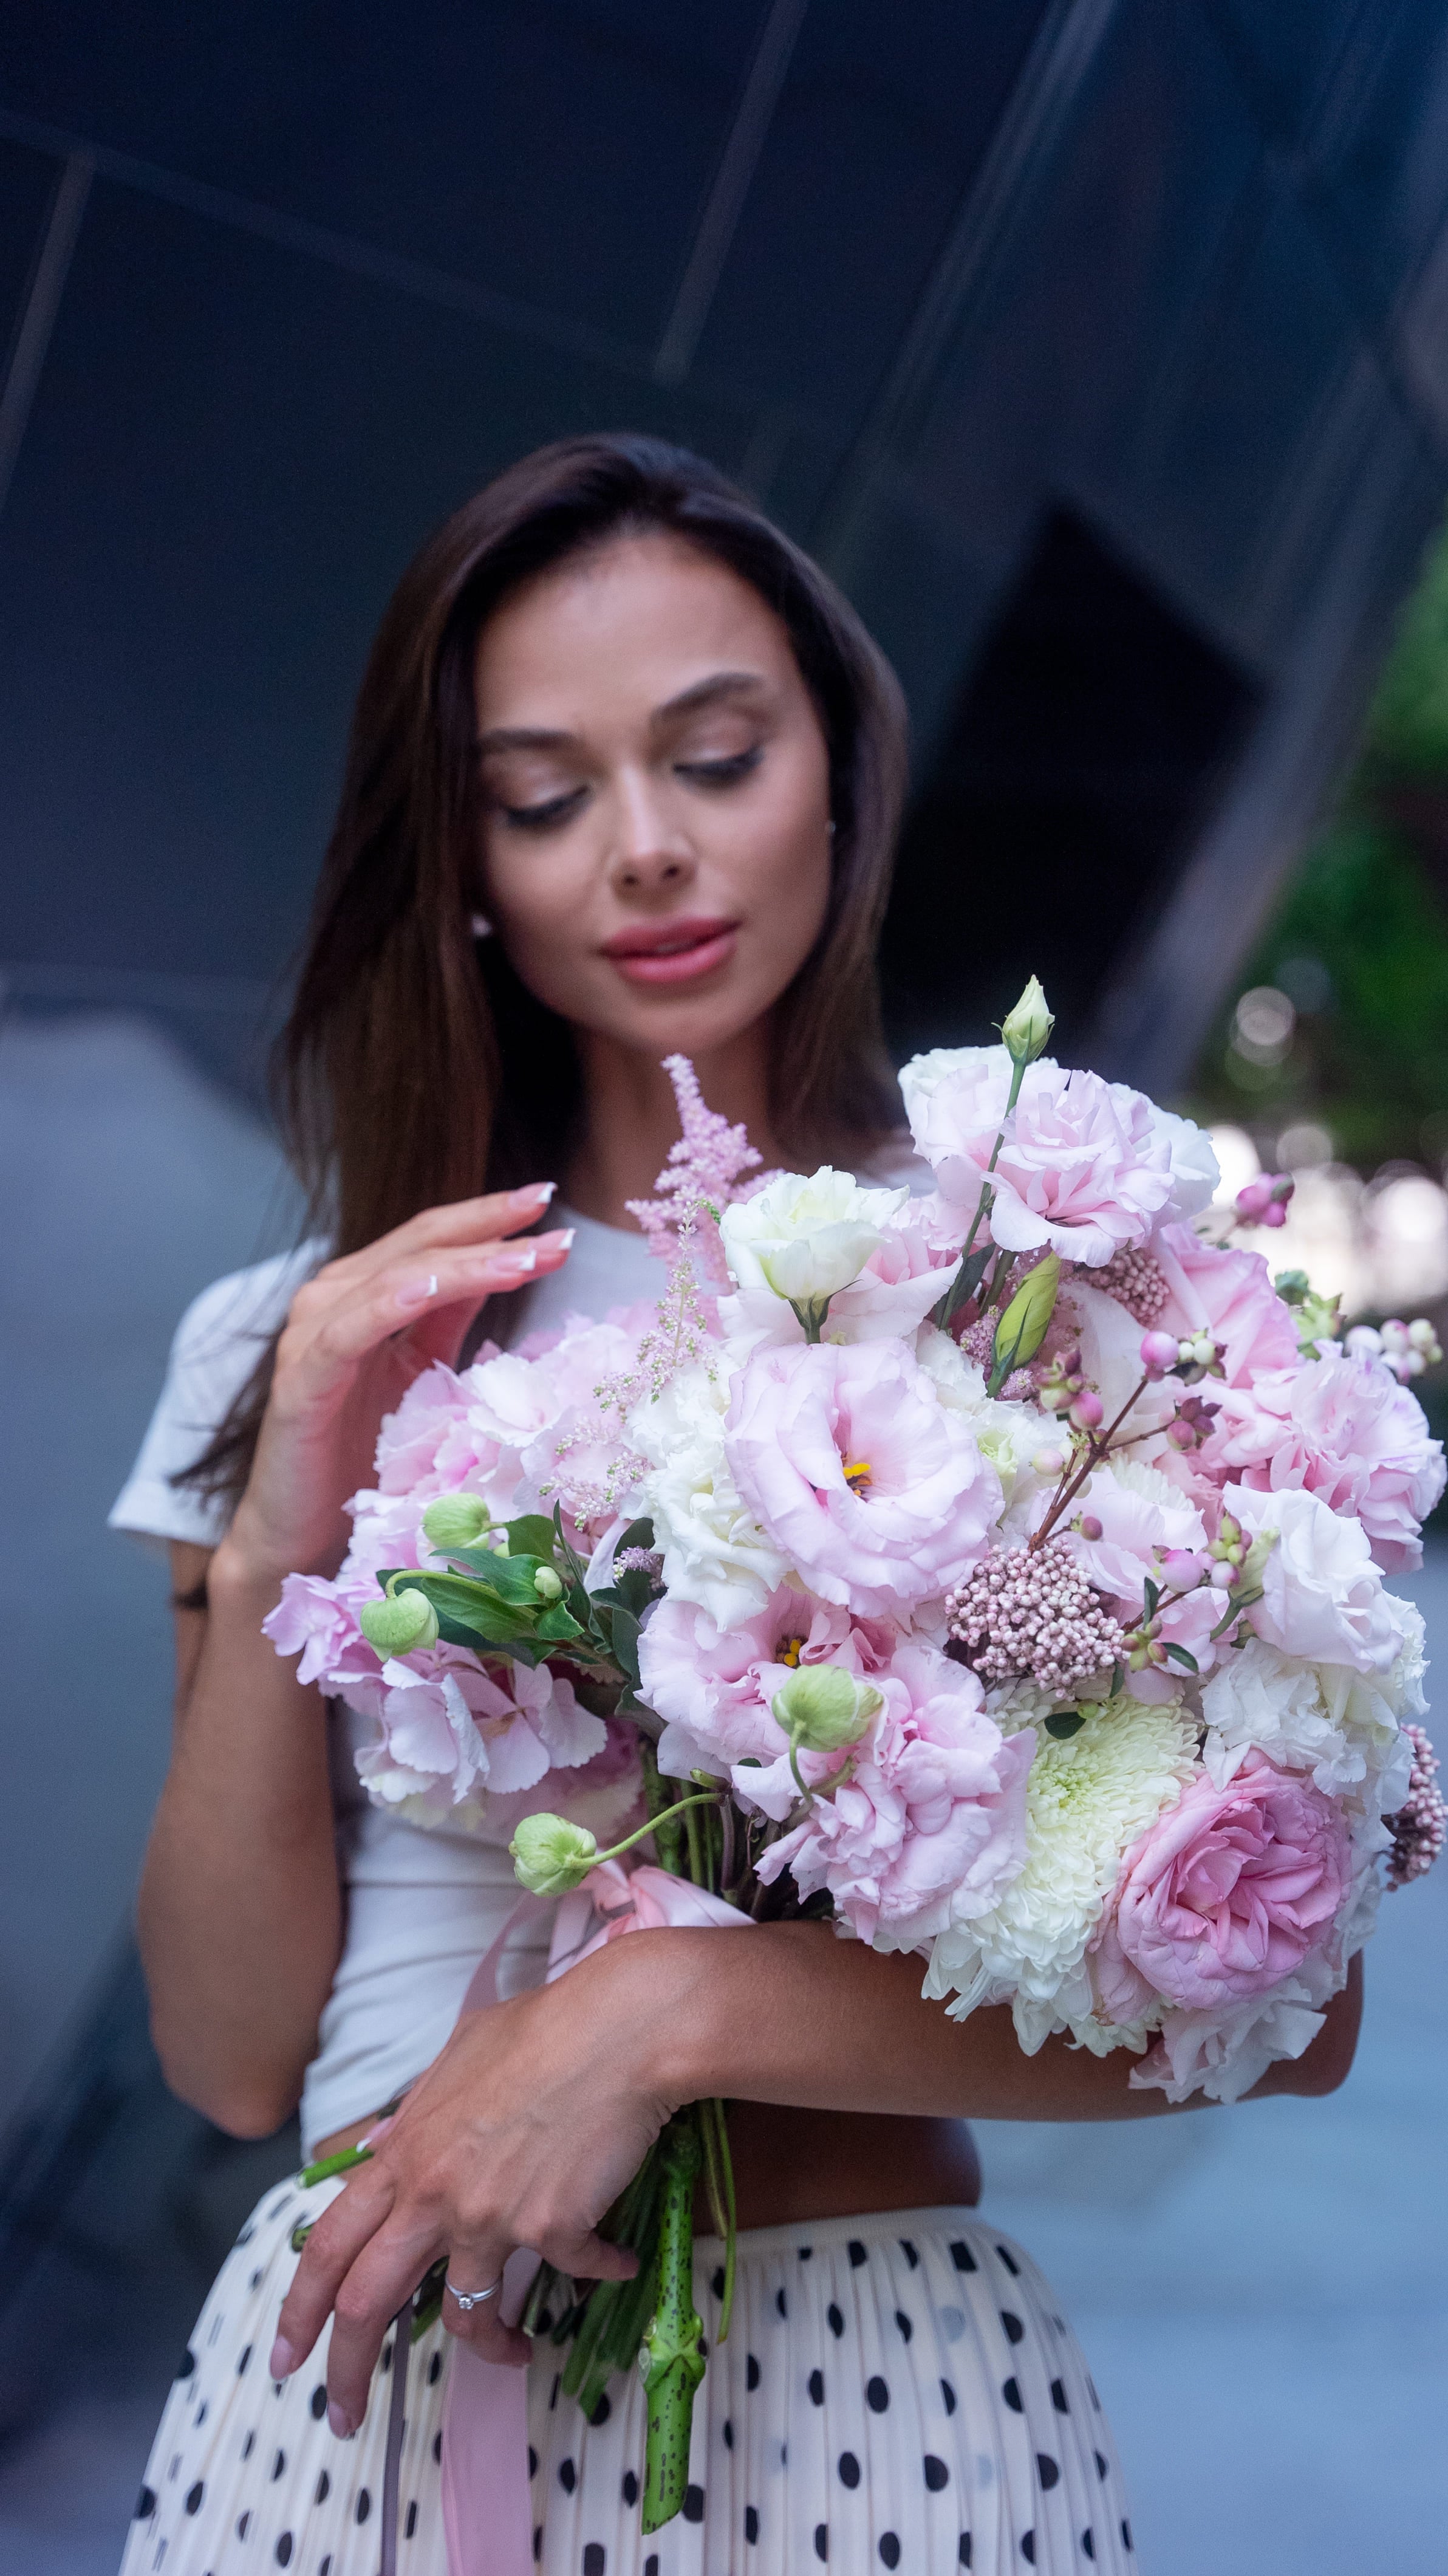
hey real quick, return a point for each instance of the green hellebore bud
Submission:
(455, 1520)
(547, 1585)
(1027, 1028)
(1022, 1327)
(550, 1855)
(823, 1709)
(399, 1623)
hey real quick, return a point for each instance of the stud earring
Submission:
(482, 928)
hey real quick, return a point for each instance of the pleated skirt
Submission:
(898, 2391)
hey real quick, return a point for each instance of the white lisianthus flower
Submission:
(1322, 1595)
(1325, 1719)
(714, 1551)
(806, 1238)
(1087, 1800)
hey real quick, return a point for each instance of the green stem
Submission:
(712, 2114)
(984, 1203)
(671, 2361)
(342, 2162)
(704, 1798)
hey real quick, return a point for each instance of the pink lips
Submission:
(672, 952)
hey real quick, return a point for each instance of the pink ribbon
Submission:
(487, 2517)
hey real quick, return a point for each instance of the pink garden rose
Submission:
(1086, 1165)
(1230, 1295)
(1345, 1429)
(1225, 1895)
(431, 1445)
(930, 1826)
(871, 1488)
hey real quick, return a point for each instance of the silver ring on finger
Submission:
(469, 2299)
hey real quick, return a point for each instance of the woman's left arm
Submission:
(539, 2110)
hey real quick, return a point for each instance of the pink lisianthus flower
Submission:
(1322, 1595)
(1228, 1294)
(1225, 1895)
(1343, 1428)
(870, 1487)
(1079, 1173)
(930, 1826)
(1138, 1524)
(715, 1687)
(450, 1730)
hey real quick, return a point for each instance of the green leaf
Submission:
(473, 1607)
(1065, 1723)
(1152, 1592)
(532, 1535)
(557, 1625)
(1182, 1657)
(624, 1640)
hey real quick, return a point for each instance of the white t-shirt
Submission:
(422, 1906)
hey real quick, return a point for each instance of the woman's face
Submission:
(656, 846)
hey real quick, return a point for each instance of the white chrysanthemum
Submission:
(1008, 1436)
(1087, 1800)
(714, 1551)
(1323, 1718)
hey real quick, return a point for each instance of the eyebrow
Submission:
(704, 693)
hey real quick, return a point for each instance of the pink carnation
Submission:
(1080, 1172)
(931, 1825)
(431, 1445)
(1230, 1295)
(870, 1488)
(1225, 1895)
(1344, 1429)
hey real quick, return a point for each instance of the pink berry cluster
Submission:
(1420, 1827)
(1135, 1280)
(1264, 1201)
(1033, 1612)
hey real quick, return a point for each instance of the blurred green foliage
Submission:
(1360, 941)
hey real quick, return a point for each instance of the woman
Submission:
(624, 779)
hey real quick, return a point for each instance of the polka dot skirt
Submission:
(896, 2392)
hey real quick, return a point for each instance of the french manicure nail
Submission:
(563, 1240)
(546, 1190)
(417, 1292)
(339, 2422)
(522, 1257)
(283, 2359)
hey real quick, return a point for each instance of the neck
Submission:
(630, 1119)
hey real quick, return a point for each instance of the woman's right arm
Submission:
(240, 1913)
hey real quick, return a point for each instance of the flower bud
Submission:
(455, 1520)
(1090, 1528)
(1222, 1576)
(1026, 1029)
(550, 1855)
(1087, 1409)
(822, 1708)
(1159, 1352)
(547, 1585)
(399, 1623)
(1049, 1461)
(1184, 1567)
(1023, 1324)
(1421, 1334)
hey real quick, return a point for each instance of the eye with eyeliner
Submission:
(726, 771)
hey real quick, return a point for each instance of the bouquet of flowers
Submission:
(995, 1573)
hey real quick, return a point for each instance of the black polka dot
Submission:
(965, 2554)
(651, 2563)
(781, 2303)
(202, 2411)
(434, 2370)
(805, 2253)
(717, 2283)
(248, 2446)
(857, 2253)
(1028, 2547)
(145, 2504)
(256, 2279)
(837, 2323)
(567, 2476)
(277, 2466)
(1126, 2541)
(553, 2391)
(437, 2446)
(630, 2488)
(242, 2358)
(385, 2363)
(1059, 2398)
(962, 2257)
(784, 2455)
(751, 2371)
(410, 2525)
(849, 2468)
(1047, 2470)
(324, 2489)
(1012, 2266)
(326, 2566)
(877, 2395)
(364, 2504)
(1012, 2395)
(538, 2541)
(318, 2403)
(822, 2540)
(247, 2233)
(728, 2431)
(751, 2524)
(187, 2363)
(1091, 2392)
(889, 2549)
(908, 2250)
(1088, 2542)
(194, 2496)
(602, 2410)
(594, 2558)
(283, 2550)
(1013, 2326)
(816, 2386)
(693, 2504)
(532, 2461)
(904, 2324)
(1101, 2464)
(947, 2396)
(243, 2525)
(937, 2475)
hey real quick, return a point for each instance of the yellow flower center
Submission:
(857, 1475)
(788, 1650)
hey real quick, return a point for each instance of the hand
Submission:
(355, 1338)
(522, 2132)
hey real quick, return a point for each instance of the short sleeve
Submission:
(217, 1345)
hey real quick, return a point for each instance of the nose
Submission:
(652, 854)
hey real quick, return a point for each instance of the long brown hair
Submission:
(392, 1073)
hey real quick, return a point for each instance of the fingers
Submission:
(483, 2329)
(338, 2237)
(383, 2277)
(589, 2257)
(461, 1221)
(326, 1341)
